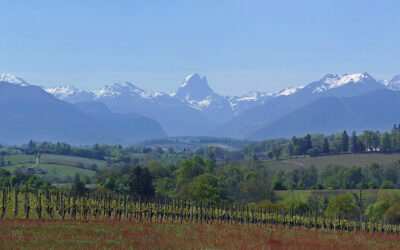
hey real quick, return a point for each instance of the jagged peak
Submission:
(194, 87)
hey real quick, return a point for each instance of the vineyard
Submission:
(63, 205)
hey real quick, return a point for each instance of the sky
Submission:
(239, 45)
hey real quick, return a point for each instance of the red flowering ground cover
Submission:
(57, 234)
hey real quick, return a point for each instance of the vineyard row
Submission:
(95, 206)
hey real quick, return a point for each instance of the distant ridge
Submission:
(196, 110)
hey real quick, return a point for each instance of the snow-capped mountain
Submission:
(291, 99)
(393, 84)
(10, 78)
(29, 112)
(177, 116)
(196, 93)
(340, 85)
(71, 94)
(195, 109)
(195, 89)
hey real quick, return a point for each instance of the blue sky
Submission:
(238, 45)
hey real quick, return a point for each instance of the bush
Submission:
(343, 205)
(387, 185)
(393, 213)
(313, 152)
(373, 185)
(297, 207)
(376, 211)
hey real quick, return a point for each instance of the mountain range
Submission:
(123, 112)
(28, 112)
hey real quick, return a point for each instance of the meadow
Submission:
(102, 234)
(55, 166)
(303, 195)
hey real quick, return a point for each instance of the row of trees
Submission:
(339, 177)
(316, 144)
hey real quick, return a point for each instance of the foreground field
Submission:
(58, 234)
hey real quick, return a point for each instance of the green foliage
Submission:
(297, 207)
(205, 188)
(344, 147)
(256, 190)
(141, 183)
(393, 213)
(78, 186)
(343, 205)
(387, 185)
(279, 180)
(377, 211)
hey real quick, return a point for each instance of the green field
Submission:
(55, 170)
(72, 161)
(55, 166)
(303, 195)
(320, 162)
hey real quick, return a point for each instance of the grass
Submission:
(56, 171)
(303, 195)
(72, 160)
(56, 166)
(19, 159)
(57, 234)
(361, 160)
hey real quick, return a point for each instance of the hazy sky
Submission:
(238, 45)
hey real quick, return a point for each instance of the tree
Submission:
(393, 213)
(278, 181)
(290, 149)
(385, 141)
(375, 173)
(344, 142)
(307, 142)
(276, 151)
(387, 185)
(342, 205)
(256, 190)
(78, 187)
(2, 161)
(354, 145)
(141, 183)
(189, 169)
(204, 188)
(326, 148)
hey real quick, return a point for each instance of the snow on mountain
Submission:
(330, 81)
(71, 94)
(74, 95)
(289, 91)
(195, 91)
(124, 88)
(13, 79)
(394, 83)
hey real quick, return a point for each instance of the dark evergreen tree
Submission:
(354, 144)
(141, 183)
(345, 142)
(78, 187)
(326, 148)
(307, 142)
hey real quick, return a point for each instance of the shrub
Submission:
(387, 185)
